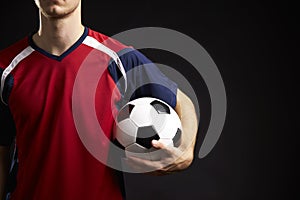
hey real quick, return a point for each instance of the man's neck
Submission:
(56, 35)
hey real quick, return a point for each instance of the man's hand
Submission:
(172, 160)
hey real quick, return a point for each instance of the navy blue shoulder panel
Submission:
(7, 125)
(144, 79)
(7, 86)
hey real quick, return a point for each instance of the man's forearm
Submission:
(4, 168)
(188, 117)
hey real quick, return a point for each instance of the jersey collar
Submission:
(62, 56)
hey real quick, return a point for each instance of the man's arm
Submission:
(174, 159)
(4, 169)
(183, 158)
(187, 114)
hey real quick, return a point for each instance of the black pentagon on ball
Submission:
(125, 112)
(145, 135)
(177, 138)
(160, 107)
(118, 144)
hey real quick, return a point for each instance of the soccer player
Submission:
(38, 74)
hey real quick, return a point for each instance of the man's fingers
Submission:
(165, 150)
(158, 145)
(166, 155)
(143, 165)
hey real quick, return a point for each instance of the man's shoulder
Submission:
(108, 41)
(129, 56)
(126, 52)
(9, 53)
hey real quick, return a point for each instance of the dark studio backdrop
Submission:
(253, 44)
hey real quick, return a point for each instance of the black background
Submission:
(253, 44)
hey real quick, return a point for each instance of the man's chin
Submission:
(56, 11)
(55, 14)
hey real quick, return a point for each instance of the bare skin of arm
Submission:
(4, 167)
(174, 159)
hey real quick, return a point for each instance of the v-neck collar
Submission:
(63, 55)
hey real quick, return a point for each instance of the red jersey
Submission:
(36, 110)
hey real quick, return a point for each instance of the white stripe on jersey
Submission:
(26, 52)
(92, 42)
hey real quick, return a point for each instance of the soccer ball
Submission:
(145, 119)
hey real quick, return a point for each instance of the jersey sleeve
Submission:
(7, 126)
(144, 78)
